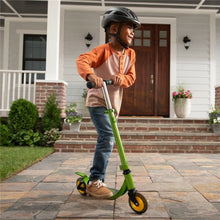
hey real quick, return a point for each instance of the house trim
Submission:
(6, 30)
(52, 81)
(212, 58)
(53, 40)
(141, 9)
(21, 43)
(16, 19)
(6, 44)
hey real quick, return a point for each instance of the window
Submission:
(34, 55)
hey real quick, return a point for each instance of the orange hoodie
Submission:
(105, 62)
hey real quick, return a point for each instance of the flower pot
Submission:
(75, 127)
(215, 128)
(182, 107)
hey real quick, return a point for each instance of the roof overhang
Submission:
(38, 8)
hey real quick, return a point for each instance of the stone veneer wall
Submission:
(217, 96)
(43, 91)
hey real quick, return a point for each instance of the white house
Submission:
(46, 37)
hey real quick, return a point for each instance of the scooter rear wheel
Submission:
(142, 204)
(81, 186)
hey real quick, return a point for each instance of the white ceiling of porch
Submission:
(38, 8)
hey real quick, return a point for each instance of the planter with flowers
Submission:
(214, 120)
(73, 118)
(182, 102)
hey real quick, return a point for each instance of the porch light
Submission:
(186, 42)
(88, 39)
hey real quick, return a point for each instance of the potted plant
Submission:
(182, 102)
(214, 119)
(73, 118)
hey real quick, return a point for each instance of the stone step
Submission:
(157, 125)
(149, 120)
(154, 127)
(142, 146)
(141, 135)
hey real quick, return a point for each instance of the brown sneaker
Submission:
(98, 190)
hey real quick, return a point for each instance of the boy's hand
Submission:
(116, 80)
(97, 80)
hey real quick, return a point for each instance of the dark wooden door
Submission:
(149, 96)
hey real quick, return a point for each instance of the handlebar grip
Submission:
(108, 82)
(91, 84)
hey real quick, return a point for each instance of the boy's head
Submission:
(119, 16)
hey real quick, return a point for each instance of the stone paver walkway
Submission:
(177, 186)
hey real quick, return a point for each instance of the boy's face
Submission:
(127, 33)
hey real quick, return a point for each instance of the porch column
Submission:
(53, 40)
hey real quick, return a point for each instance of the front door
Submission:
(149, 96)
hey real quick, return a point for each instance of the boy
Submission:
(115, 61)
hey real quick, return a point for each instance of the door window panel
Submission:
(147, 34)
(163, 43)
(163, 34)
(137, 42)
(146, 43)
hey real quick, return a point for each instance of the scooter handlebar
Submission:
(91, 84)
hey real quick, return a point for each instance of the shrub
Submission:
(50, 137)
(26, 138)
(23, 115)
(51, 117)
(3, 121)
(4, 135)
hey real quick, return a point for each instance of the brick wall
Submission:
(217, 96)
(43, 91)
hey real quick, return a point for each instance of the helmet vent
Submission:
(119, 13)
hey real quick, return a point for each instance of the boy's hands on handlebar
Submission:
(116, 80)
(97, 80)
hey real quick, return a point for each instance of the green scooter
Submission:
(137, 201)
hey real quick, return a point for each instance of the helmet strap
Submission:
(118, 36)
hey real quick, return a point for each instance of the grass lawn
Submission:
(15, 159)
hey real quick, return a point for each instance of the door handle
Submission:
(152, 83)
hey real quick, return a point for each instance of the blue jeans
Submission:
(104, 145)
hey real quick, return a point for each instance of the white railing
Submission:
(16, 84)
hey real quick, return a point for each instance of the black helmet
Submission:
(120, 15)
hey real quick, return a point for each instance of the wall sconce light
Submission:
(88, 39)
(186, 42)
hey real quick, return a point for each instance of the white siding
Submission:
(193, 67)
(218, 51)
(77, 26)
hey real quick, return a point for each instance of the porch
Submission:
(70, 21)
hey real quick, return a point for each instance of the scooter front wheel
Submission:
(142, 204)
(81, 186)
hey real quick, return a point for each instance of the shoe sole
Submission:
(106, 196)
